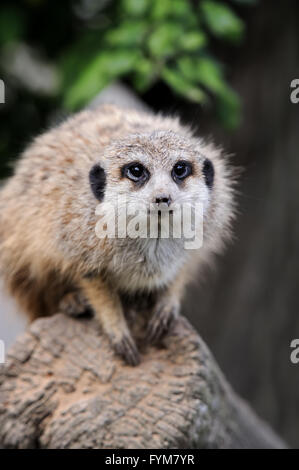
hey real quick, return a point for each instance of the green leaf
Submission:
(135, 7)
(222, 21)
(144, 74)
(86, 85)
(209, 73)
(181, 9)
(99, 72)
(183, 86)
(129, 33)
(193, 41)
(166, 9)
(187, 67)
(79, 56)
(118, 62)
(163, 42)
(204, 70)
(161, 10)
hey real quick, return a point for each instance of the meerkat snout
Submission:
(163, 200)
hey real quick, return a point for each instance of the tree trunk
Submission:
(62, 387)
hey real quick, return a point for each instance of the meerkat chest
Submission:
(148, 264)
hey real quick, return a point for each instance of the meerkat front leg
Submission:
(108, 310)
(160, 324)
(165, 311)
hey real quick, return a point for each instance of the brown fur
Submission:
(48, 246)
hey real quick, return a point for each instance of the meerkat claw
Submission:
(160, 324)
(127, 349)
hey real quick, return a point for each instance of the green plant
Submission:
(151, 40)
(58, 55)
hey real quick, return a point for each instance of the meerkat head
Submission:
(161, 168)
(166, 170)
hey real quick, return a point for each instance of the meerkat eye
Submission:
(208, 171)
(135, 172)
(181, 170)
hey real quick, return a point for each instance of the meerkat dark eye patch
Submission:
(208, 171)
(97, 180)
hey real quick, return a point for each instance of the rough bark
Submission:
(62, 387)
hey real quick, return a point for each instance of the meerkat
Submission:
(50, 256)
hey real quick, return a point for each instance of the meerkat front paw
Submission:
(127, 349)
(161, 322)
(74, 304)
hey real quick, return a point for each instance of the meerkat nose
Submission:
(162, 200)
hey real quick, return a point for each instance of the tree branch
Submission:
(62, 387)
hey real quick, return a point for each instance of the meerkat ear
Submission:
(97, 180)
(208, 171)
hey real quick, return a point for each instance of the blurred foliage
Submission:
(150, 40)
(59, 55)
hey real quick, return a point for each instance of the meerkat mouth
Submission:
(160, 212)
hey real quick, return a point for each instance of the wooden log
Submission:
(62, 387)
